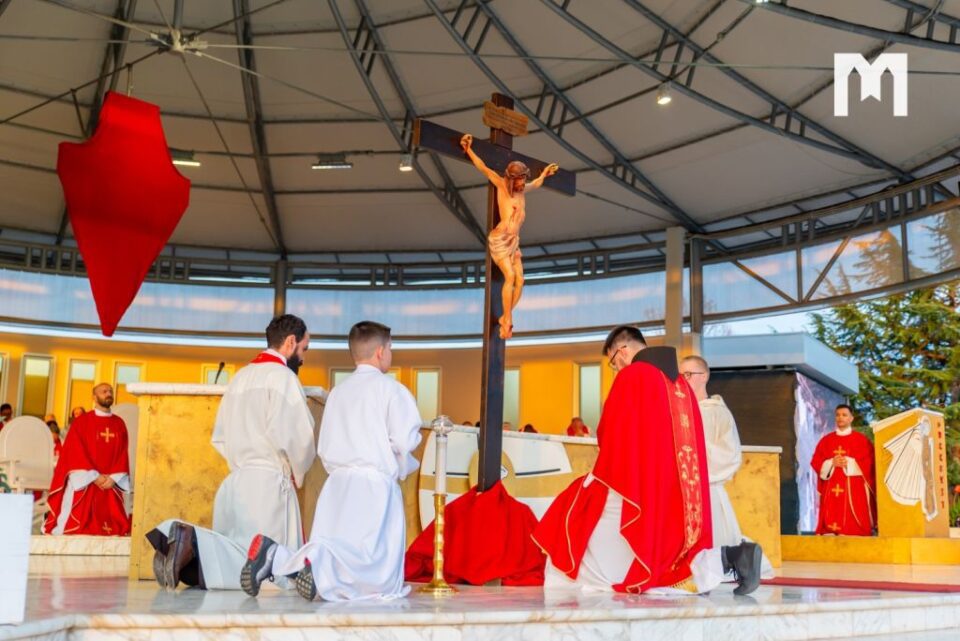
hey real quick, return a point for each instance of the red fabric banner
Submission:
(124, 198)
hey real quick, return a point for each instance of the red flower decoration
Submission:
(124, 198)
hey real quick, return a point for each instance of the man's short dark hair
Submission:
(283, 326)
(364, 335)
(621, 333)
(6, 406)
(844, 406)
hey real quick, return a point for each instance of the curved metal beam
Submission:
(777, 106)
(361, 47)
(928, 42)
(251, 101)
(651, 71)
(621, 171)
(112, 59)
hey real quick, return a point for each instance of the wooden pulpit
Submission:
(911, 465)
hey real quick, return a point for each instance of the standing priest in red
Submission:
(92, 474)
(640, 520)
(843, 462)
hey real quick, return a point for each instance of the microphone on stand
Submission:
(219, 371)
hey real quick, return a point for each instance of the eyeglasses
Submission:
(689, 375)
(614, 357)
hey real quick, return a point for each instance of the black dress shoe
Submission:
(158, 540)
(181, 551)
(745, 561)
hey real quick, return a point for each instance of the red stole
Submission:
(267, 357)
(652, 453)
(847, 503)
(96, 443)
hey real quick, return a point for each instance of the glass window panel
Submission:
(815, 260)
(162, 306)
(428, 394)
(339, 375)
(934, 243)
(126, 374)
(210, 374)
(867, 262)
(590, 395)
(727, 288)
(83, 371)
(511, 396)
(36, 385)
(780, 270)
(37, 366)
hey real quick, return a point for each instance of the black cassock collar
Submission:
(663, 358)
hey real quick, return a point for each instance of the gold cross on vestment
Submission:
(679, 392)
(839, 451)
(833, 527)
(837, 490)
(107, 434)
(107, 528)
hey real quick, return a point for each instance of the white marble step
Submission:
(79, 545)
(105, 609)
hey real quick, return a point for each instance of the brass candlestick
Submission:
(438, 586)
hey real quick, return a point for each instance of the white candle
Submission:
(441, 465)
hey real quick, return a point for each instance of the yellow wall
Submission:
(548, 374)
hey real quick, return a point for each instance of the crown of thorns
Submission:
(517, 169)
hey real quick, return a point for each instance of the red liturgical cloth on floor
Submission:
(124, 198)
(486, 537)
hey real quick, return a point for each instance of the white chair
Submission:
(26, 454)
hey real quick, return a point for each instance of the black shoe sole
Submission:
(256, 557)
(247, 584)
(305, 584)
(159, 561)
(170, 579)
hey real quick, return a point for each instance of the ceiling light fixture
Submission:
(406, 162)
(332, 161)
(183, 158)
(664, 96)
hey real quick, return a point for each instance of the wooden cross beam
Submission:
(496, 153)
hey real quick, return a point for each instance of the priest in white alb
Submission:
(264, 430)
(369, 430)
(724, 455)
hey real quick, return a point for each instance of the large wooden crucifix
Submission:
(497, 154)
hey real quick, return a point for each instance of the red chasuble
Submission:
(652, 453)
(847, 503)
(486, 537)
(95, 443)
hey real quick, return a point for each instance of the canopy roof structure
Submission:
(747, 155)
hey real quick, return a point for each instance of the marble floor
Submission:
(90, 598)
